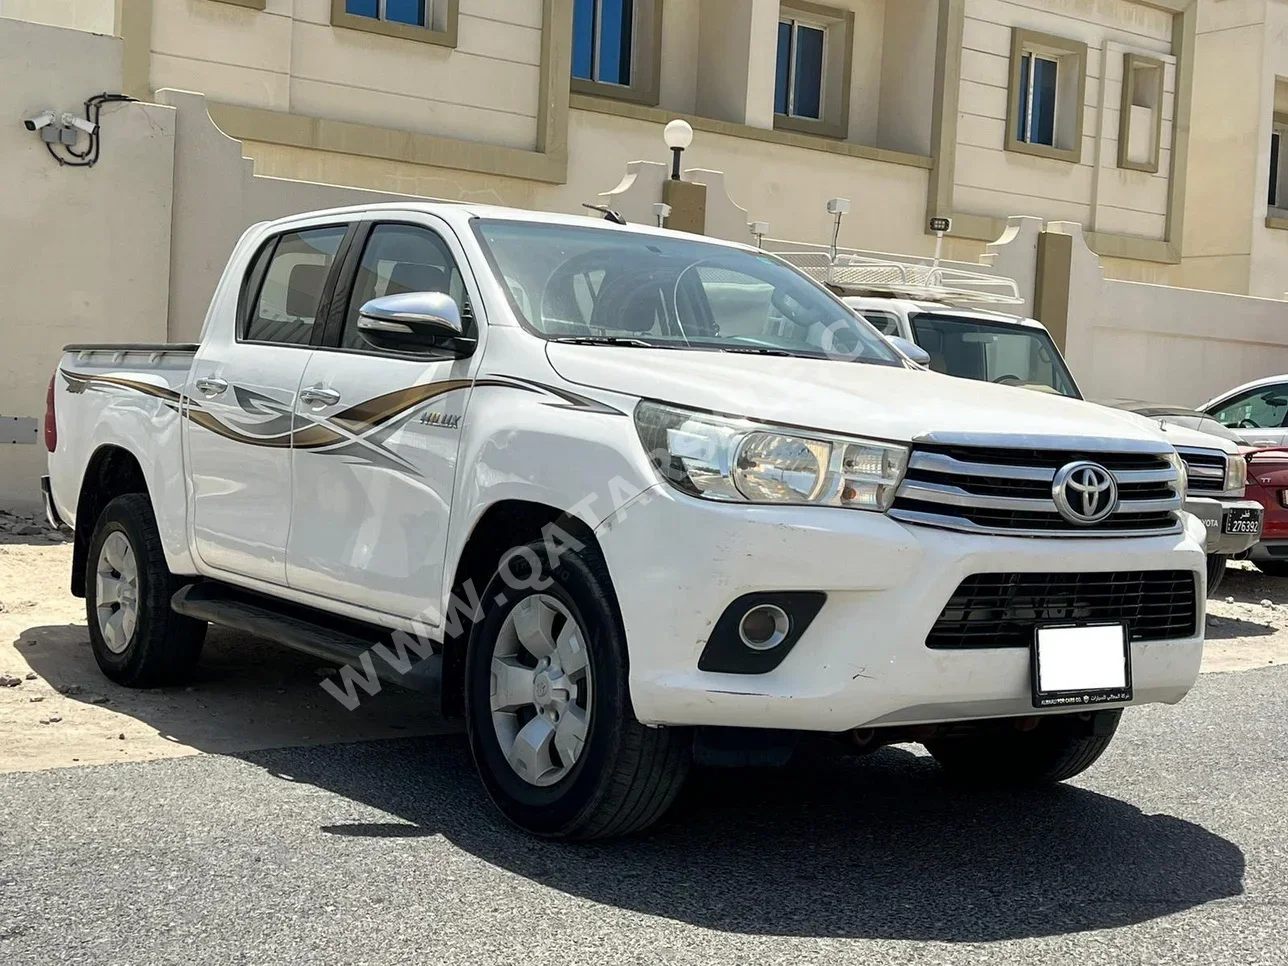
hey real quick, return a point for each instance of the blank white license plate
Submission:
(1078, 666)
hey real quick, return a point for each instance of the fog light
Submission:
(764, 627)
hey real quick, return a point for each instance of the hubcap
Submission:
(541, 690)
(116, 593)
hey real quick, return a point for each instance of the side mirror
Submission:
(910, 349)
(411, 322)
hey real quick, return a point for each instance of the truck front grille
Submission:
(1008, 492)
(1005, 610)
(1205, 468)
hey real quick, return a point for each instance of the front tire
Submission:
(1215, 573)
(137, 639)
(1059, 748)
(548, 709)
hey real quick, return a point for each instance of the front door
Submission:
(241, 402)
(375, 457)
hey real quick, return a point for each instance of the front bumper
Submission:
(1214, 512)
(678, 562)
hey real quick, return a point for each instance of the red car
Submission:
(1268, 485)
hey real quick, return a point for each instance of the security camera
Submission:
(838, 206)
(72, 120)
(39, 121)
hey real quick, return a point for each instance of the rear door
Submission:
(375, 457)
(1259, 417)
(241, 402)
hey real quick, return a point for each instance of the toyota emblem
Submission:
(1084, 493)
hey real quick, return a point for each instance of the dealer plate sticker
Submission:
(1078, 666)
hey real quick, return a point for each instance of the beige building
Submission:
(1148, 122)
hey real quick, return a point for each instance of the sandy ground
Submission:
(250, 694)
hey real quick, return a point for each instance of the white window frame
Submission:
(1034, 56)
(796, 23)
(596, 44)
(382, 15)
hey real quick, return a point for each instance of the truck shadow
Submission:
(837, 846)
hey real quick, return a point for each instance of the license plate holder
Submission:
(1241, 520)
(1080, 665)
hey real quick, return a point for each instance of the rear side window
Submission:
(884, 323)
(286, 304)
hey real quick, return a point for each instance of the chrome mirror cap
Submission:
(411, 314)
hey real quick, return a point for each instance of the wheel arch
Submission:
(503, 526)
(112, 471)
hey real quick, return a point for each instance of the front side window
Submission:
(290, 295)
(608, 286)
(1263, 408)
(603, 45)
(1009, 355)
(799, 80)
(400, 259)
(414, 13)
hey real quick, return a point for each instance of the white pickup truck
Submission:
(624, 499)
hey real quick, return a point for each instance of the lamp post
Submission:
(678, 136)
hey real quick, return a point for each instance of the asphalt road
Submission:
(1174, 849)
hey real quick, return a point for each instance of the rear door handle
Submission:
(210, 386)
(319, 396)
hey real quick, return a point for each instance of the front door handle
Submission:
(211, 386)
(319, 396)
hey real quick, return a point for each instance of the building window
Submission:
(798, 87)
(603, 41)
(1048, 88)
(427, 21)
(1039, 78)
(1277, 196)
(1140, 118)
(616, 48)
(414, 13)
(812, 72)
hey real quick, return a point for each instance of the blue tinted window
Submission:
(1042, 125)
(784, 69)
(807, 99)
(1023, 113)
(616, 30)
(363, 8)
(406, 11)
(583, 39)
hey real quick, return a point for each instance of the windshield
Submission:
(1192, 420)
(568, 282)
(1010, 355)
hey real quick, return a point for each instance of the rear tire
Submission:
(1215, 573)
(137, 639)
(618, 776)
(1059, 748)
(1273, 568)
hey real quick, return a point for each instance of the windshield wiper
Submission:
(757, 351)
(611, 340)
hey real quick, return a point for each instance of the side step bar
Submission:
(310, 631)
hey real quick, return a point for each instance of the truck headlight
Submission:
(1236, 474)
(1182, 476)
(740, 461)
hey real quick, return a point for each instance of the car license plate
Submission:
(1242, 520)
(1080, 666)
